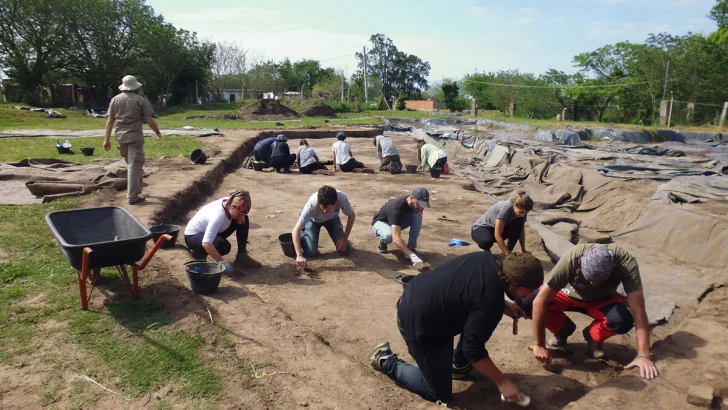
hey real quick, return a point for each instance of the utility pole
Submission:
(667, 72)
(342, 87)
(197, 93)
(366, 79)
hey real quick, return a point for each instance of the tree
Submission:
(398, 71)
(719, 13)
(450, 91)
(328, 88)
(229, 63)
(32, 44)
(264, 77)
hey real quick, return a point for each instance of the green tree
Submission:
(230, 61)
(450, 91)
(719, 13)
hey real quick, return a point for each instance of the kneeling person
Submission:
(322, 210)
(464, 296)
(397, 215)
(207, 231)
(585, 280)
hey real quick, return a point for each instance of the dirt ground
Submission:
(307, 336)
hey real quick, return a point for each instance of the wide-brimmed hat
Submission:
(129, 83)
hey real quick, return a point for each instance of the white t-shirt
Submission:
(312, 212)
(210, 219)
(341, 149)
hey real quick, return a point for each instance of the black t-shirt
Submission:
(395, 212)
(280, 149)
(463, 296)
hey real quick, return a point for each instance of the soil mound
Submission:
(268, 107)
(320, 110)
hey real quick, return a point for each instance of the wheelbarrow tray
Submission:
(114, 235)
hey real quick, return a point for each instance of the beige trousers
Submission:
(133, 153)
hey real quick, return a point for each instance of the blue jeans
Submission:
(432, 377)
(310, 238)
(384, 231)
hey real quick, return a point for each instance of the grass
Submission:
(15, 149)
(39, 287)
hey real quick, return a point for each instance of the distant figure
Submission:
(504, 221)
(344, 158)
(431, 156)
(262, 150)
(388, 155)
(280, 155)
(129, 110)
(308, 161)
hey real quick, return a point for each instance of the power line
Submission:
(336, 58)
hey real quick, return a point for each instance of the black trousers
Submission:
(223, 246)
(313, 167)
(282, 161)
(391, 162)
(351, 165)
(262, 155)
(440, 163)
(484, 236)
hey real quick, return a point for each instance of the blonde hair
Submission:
(420, 144)
(523, 201)
(304, 142)
(240, 199)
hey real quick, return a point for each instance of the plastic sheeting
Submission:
(562, 137)
(611, 134)
(696, 189)
(641, 169)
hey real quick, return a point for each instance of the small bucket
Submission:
(435, 172)
(198, 157)
(411, 169)
(204, 276)
(258, 165)
(63, 150)
(168, 229)
(403, 280)
(286, 241)
(87, 151)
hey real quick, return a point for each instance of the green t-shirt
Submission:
(566, 275)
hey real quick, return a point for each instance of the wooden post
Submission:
(664, 110)
(473, 107)
(563, 114)
(723, 115)
(669, 116)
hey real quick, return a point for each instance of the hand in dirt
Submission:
(510, 391)
(514, 311)
(107, 145)
(301, 261)
(647, 367)
(341, 245)
(159, 136)
(542, 354)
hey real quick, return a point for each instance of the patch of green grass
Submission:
(14, 149)
(117, 344)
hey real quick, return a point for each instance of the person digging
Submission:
(464, 296)
(585, 280)
(207, 231)
(322, 210)
(397, 215)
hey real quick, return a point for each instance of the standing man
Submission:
(585, 280)
(388, 155)
(129, 110)
(397, 215)
(322, 210)
(464, 296)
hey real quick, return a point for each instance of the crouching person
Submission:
(464, 296)
(322, 210)
(585, 280)
(207, 231)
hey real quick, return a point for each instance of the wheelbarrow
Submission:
(95, 238)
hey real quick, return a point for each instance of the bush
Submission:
(460, 104)
(340, 107)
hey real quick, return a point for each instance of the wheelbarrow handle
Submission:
(154, 250)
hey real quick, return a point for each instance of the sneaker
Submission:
(557, 342)
(593, 349)
(138, 200)
(382, 247)
(381, 352)
(461, 372)
(243, 260)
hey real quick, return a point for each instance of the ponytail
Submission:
(523, 201)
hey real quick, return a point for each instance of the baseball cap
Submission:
(422, 195)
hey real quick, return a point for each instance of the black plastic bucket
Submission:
(168, 229)
(411, 169)
(286, 241)
(258, 165)
(403, 280)
(198, 157)
(435, 172)
(87, 151)
(204, 276)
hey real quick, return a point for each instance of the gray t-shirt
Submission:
(311, 211)
(306, 156)
(500, 210)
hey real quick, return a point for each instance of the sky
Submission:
(456, 37)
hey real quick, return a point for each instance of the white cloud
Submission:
(529, 10)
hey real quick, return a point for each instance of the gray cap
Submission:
(597, 263)
(422, 195)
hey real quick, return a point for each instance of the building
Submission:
(424, 105)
